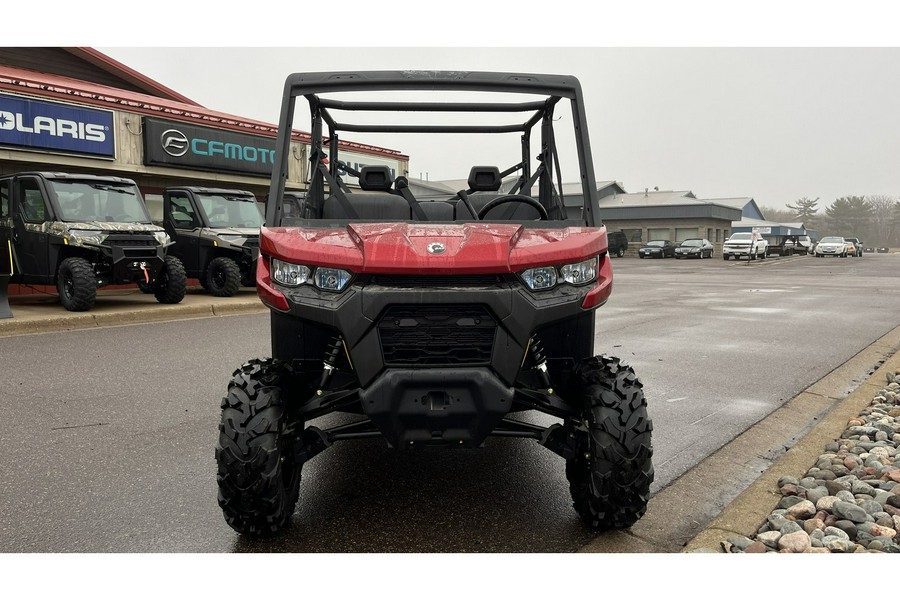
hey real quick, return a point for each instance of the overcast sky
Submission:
(772, 101)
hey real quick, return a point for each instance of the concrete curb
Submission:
(130, 316)
(748, 511)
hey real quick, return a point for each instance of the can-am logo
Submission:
(55, 127)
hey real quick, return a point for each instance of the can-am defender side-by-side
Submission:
(216, 234)
(83, 232)
(438, 323)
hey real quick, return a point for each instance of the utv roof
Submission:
(206, 190)
(79, 176)
(312, 84)
(566, 86)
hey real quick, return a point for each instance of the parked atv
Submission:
(216, 234)
(435, 324)
(83, 232)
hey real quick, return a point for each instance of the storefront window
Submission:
(685, 233)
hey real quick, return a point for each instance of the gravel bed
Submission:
(849, 501)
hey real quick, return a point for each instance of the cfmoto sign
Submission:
(195, 147)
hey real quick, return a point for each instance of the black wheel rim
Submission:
(218, 277)
(68, 286)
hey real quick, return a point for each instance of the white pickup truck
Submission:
(743, 244)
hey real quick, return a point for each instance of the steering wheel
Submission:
(514, 198)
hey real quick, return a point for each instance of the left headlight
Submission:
(161, 237)
(232, 239)
(324, 278)
(545, 278)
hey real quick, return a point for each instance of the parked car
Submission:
(881, 250)
(617, 243)
(831, 246)
(857, 249)
(694, 248)
(742, 244)
(657, 249)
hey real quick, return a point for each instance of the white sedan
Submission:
(831, 246)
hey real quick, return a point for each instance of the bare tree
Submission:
(884, 225)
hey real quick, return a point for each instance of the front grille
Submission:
(133, 246)
(131, 241)
(436, 335)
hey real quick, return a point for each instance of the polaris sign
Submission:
(173, 144)
(36, 124)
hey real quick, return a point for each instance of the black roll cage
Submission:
(553, 87)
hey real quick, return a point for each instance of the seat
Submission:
(484, 186)
(438, 210)
(375, 178)
(373, 206)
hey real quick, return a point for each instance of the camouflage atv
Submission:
(83, 232)
(216, 235)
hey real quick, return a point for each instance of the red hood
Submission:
(403, 247)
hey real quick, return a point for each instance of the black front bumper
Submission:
(436, 407)
(133, 259)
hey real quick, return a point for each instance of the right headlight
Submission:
(580, 273)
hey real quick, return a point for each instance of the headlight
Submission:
(84, 233)
(331, 279)
(580, 273)
(540, 278)
(232, 239)
(87, 236)
(287, 273)
(545, 278)
(162, 237)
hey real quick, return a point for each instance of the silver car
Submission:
(831, 246)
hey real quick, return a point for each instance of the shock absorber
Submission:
(330, 363)
(536, 349)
